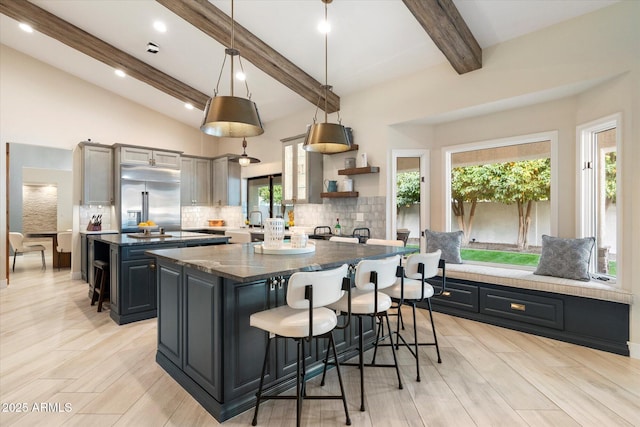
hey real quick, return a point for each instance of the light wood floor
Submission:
(56, 349)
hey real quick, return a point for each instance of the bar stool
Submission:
(414, 289)
(371, 276)
(303, 318)
(101, 278)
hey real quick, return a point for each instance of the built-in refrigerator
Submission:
(148, 193)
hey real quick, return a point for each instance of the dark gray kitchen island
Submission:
(205, 298)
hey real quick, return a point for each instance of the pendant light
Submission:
(244, 159)
(231, 116)
(326, 137)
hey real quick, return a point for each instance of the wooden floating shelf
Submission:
(358, 171)
(339, 194)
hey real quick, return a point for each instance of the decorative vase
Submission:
(273, 233)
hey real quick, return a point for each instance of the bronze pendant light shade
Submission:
(326, 138)
(244, 159)
(231, 116)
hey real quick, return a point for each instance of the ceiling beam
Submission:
(76, 38)
(442, 21)
(216, 24)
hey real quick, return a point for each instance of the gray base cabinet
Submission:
(205, 341)
(598, 324)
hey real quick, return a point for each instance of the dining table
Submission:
(60, 259)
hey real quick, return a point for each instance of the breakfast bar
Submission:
(205, 298)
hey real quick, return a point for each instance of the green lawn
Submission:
(500, 257)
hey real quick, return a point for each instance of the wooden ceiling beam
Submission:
(76, 38)
(216, 24)
(442, 21)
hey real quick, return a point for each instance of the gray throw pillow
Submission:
(448, 243)
(567, 258)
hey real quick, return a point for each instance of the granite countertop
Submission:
(99, 232)
(169, 237)
(240, 263)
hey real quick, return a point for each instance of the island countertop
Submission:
(240, 263)
(169, 237)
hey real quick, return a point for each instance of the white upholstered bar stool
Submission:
(414, 289)
(371, 277)
(344, 239)
(18, 247)
(303, 318)
(238, 236)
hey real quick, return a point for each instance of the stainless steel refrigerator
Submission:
(149, 193)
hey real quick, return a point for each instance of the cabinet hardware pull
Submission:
(519, 307)
(152, 266)
(446, 294)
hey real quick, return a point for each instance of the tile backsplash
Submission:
(197, 216)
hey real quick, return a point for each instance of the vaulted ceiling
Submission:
(372, 41)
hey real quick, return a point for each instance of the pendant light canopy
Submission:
(244, 159)
(326, 137)
(231, 116)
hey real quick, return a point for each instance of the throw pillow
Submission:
(448, 242)
(567, 258)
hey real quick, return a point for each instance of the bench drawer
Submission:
(532, 309)
(457, 295)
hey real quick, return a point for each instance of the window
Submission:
(500, 193)
(598, 193)
(264, 195)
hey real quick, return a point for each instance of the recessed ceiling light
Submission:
(26, 27)
(160, 26)
(188, 106)
(120, 73)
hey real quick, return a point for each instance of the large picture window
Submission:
(500, 194)
(598, 192)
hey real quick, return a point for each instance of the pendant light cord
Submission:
(326, 62)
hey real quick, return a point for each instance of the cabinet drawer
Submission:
(138, 252)
(457, 295)
(532, 309)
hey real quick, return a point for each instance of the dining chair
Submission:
(415, 289)
(384, 242)
(64, 243)
(238, 236)
(371, 277)
(305, 317)
(344, 239)
(16, 241)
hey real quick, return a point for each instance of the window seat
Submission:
(593, 314)
(525, 279)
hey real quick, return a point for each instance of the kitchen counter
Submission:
(132, 273)
(205, 298)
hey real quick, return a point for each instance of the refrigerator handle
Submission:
(145, 206)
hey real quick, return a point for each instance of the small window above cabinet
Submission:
(301, 172)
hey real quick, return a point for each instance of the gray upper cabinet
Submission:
(149, 157)
(226, 182)
(195, 181)
(97, 174)
(301, 172)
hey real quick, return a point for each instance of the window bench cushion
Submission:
(525, 279)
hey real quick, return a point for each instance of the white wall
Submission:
(595, 55)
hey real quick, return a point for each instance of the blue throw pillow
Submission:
(566, 258)
(448, 242)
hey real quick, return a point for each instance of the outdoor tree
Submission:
(264, 194)
(522, 183)
(469, 184)
(408, 189)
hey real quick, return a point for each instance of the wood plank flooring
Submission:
(66, 364)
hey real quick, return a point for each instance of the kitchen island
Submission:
(205, 298)
(133, 288)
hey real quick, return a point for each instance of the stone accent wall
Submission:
(39, 208)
